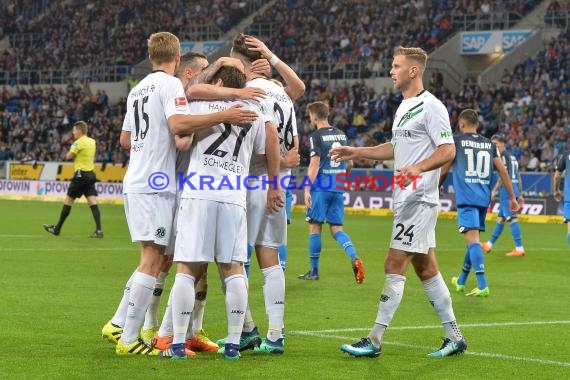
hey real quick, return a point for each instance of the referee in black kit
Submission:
(82, 151)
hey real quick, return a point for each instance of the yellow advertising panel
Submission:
(109, 173)
(26, 171)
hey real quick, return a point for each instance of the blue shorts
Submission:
(288, 204)
(566, 212)
(471, 218)
(327, 205)
(505, 210)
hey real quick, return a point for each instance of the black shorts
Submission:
(83, 183)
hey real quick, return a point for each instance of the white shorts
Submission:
(268, 229)
(169, 251)
(210, 231)
(149, 216)
(414, 227)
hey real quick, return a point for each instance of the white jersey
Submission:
(220, 156)
(149, 105)
(421, 124)
(277, 107)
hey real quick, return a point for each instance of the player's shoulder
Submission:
(432, 102)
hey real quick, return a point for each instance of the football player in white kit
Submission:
(422, 143)
(212, 217)
(156, 111)
(192, 67)
(267, 230)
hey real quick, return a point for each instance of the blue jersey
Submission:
(322, 140)
(564, 165)
(512, 166)
(473, 169)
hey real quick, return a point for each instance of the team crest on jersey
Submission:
(180, 102)
(160, 232)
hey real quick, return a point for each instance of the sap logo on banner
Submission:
(474, 42)
(511, 40)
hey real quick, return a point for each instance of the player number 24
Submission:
(408, 232)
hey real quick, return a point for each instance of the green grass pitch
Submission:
(57, 293)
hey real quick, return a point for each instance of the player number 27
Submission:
(408, 232)
(213, 148)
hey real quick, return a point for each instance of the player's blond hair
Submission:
(319, 109)
(416, 54)
(163, 47)
(82, 126)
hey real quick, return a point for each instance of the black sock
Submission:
(64, 214)
(96, 216)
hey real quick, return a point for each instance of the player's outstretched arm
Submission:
(188, 124)
(379, 152)
(206, 75)
(203, 91)
(295, 87)
(443, 154)
(504, 178)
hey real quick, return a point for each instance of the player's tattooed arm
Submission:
(207, 74)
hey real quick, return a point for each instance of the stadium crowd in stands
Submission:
(359, 36)
(107, 32)
(36, 123)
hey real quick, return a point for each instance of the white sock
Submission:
(248, 323)
(150, 318)
(182, 305)
(121, 312)
(389, 302)
(200, 303)
(166, 325)
(139, 299)
(274, 295)
(236, 303)
(439, 296)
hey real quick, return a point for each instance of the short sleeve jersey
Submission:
(83, 150)
(220, 157)
(278, 108)
(473, 170)
(322, 141)
(421, 124)
(149, 105)
(512, 166)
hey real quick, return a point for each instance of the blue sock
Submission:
(283, 256)
(497, 232)
(568, 237)
(248, 262)
(315, 245)
(465, 269)
(343, 240)
(476, 257)
(516, 231)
